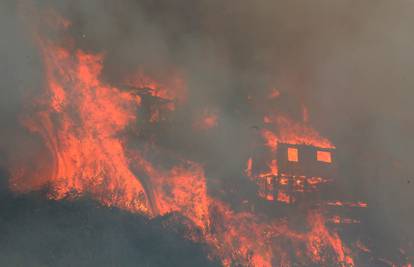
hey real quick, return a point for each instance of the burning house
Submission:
(303, 170)
(149, 127)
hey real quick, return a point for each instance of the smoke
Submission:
(20, 74)
(365, 88)
(348, 61)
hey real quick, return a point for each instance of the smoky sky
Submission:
(349, 62)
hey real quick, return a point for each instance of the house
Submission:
(300, 171)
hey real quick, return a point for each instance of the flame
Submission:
(271, 139)
(249, 165)
(291, 132)
(81, 120)
(283, 197)
(172, 87)
(243, 234)
(293, 154)
(181, 189)
(359, 204)
(324, 156)
(274, 93)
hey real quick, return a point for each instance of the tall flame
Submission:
(81, 120)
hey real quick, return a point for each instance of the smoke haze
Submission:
(349, 62)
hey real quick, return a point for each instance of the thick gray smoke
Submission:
(349, 62)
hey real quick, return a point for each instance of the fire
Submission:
(181, 189)
(263, 240)
(283, 197)
(172, 87)
(293, 154)
(324, 156)
(359, 204)
(292, 132)
(81, 121)
(271, 139)
(281, 129)
(274, 93)
(248, 170)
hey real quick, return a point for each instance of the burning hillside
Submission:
(138, 140)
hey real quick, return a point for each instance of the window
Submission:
(293, 154)
(324, 156)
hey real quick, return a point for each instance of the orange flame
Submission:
(81, 120)
(172, 88)
(293, 133)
